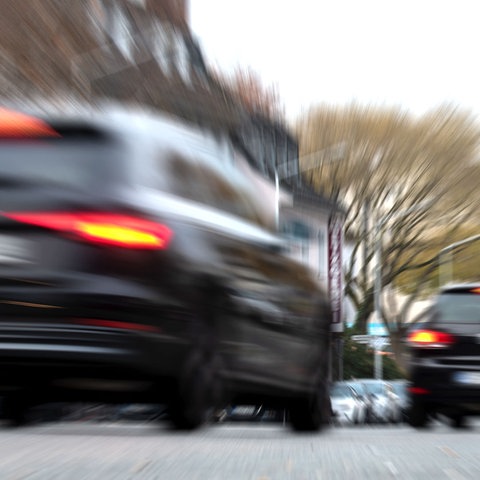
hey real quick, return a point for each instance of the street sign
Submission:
(377, 329)
(362, 338)
(377, 342)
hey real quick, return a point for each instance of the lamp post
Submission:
(445, 274)
(378, 367)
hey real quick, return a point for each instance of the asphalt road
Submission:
(119, 451)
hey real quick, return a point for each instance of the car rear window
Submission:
(458, 307)
(66, 154)
(68, 163)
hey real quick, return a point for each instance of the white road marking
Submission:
(453, 474)
(392, 468)
(140, 466)
(449, 451)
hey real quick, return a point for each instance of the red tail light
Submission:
(118, 325)
(430, 339)
(102, 228)
(18, 125)
(418, 391)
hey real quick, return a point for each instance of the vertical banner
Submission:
(335, 270)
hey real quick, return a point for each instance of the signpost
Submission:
(376, 342)
(373, 341)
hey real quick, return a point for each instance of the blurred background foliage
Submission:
(464, 265)
(407, 181)
(358, 360)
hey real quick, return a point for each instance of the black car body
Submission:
(135, 267)
(445, 358)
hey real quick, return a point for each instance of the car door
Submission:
(280, 321)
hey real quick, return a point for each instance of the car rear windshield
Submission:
(461, 307)
(64, 163)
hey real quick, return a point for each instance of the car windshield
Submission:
(457, 308)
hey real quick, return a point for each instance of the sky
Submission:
(414, 54)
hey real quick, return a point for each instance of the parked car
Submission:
(445, 358)
(347, 405)
(367, 399)
(245, 412)
(400, 388)
(385, 405)
(250, 413)
(137, 267)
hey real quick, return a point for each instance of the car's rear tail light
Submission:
(18, 125)
(116, 325)
(102, 228)
(430, 339)
(418, 391)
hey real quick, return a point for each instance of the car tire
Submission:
(458, 421)
(418, 416)
(310, 414)
(15, 409)
(198, 392)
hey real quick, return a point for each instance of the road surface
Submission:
(73, 451)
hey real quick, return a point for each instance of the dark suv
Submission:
(445, 358)
(136, 265)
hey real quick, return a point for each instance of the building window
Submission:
(296, 229)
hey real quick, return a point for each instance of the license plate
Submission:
(14, 250)
(468, 378)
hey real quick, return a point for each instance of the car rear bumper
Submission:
(440, 389)
(88, 332)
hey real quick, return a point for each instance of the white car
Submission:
(385, 403)
(347, 405)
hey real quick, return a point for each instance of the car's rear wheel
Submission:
(458, 420)
(200, 389)
(198, 392)
(311, 413)
(418, 416)
(15, 409)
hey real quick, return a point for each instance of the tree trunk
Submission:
(399, 350)
(363, 314)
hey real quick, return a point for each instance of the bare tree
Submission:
(409, 182)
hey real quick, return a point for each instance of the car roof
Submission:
(455, 287)
(120, 120)
(369, 380)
